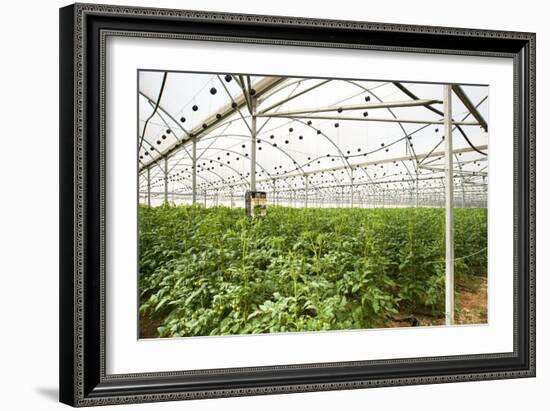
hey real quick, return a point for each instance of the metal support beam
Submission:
(463, 192)
(372, 119)
(292, 97)
(433, 154)
(254, 102)
(194, 178)
(416, 190)
(449, 211)
(165, 180)
(261, 87)
(371, 106)
(149, 186)
(469, 105)
(307, 190)
(351, 188)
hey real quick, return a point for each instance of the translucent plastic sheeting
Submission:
(319, 142)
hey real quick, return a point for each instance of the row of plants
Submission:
(213, 271)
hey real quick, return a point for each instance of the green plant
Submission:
(213, 271)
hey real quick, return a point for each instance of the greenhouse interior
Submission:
(261, 144)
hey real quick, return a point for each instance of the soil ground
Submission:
(148, 327)
(470, 301)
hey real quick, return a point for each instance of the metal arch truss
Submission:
(428, 179)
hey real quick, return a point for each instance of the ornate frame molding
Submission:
(82, 368)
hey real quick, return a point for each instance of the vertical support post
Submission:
(231, 194)
(307, 190)
(449, 211)
(149, 186)
(253, 135)
(274, 192)
(316, 199)
(194, 178)
(416, 188)
(463, 192)
(351, 192)
(165, 180)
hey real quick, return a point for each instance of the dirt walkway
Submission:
(470, 300)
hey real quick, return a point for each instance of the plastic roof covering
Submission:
(376, 156)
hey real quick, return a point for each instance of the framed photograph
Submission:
(260, 204)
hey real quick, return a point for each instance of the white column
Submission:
(194, 179)
(463, 192)
(253, 135)
(449, 212)
(149, 186)
(307, 190)
(416, 188)
(351, 188)
(165, 179)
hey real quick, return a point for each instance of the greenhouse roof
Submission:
(321, 135)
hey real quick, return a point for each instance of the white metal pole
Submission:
(463, 192)
(253, 146)
(149, 186)
(194, 160)
(274, 192)
(165, 179)
(351, 188)
(307, 190)
(416, 189)
(449, 212)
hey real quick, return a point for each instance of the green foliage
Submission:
(212, 271)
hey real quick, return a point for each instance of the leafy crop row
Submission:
(212, 271)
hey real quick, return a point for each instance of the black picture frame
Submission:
(83, 29)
